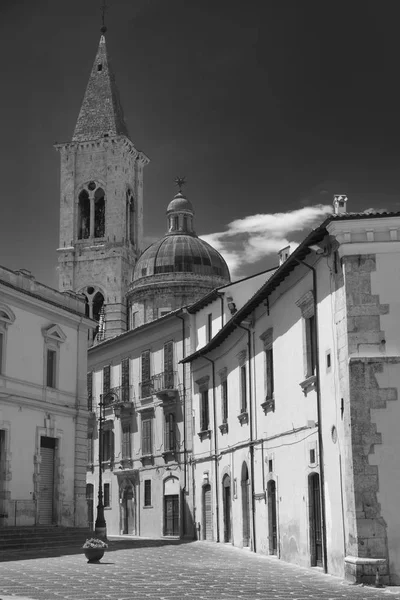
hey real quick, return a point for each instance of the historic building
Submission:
(43, 411)
(295, 404)
(101, 202)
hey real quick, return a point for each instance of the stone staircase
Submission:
(41, 537)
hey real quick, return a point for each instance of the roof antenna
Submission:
(103, 9)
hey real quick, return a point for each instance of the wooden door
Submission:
(46, 487)
(271, 491)
(315, 520)
(171, 515)
(207, 513)
(227, 509)
(245, 505)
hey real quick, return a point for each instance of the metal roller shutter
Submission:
(46, 490)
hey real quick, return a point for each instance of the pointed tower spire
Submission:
(101, 112)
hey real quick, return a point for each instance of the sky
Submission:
(268, 108)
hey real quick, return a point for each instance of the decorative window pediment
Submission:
(7, 316)
(54, 333)
(203, 383)
(306, 305)
(267, 338)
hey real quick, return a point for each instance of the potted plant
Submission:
(94, 549)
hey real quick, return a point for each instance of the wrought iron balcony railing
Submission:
(162, 382)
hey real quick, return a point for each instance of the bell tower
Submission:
(101, 202)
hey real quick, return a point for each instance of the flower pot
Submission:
(94, 554)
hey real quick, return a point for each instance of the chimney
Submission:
(339, 204)
(284, 254)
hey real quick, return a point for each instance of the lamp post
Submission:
(100, 527)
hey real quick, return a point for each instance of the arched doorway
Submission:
(315, 520)
(245, 484)
(226, 495)
(207, 513)
(171, 506)
(90, 507)
(271, 495)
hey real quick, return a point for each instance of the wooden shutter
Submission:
(243, 388)
(224, 391)
(146, 437)
(147, 492)
(90, 447)
(270, 372)
(126, 440)
(170, 432)
(51, 368)
(106, 379)
(204, 411)
(146, 365)
(89, 386)
(125, 379)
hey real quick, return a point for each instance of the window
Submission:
(269, 365)
(89, 387)
(243, 389)
(147, 492)
(51, 363)
(145, 383)
(209, 327)
(311, 345)
(125, 379)
(84, 215)
(91, 203)
(204, 411)
(7, 318)
(126, 440)
(169, 433)
(90, 447)
(108, 444)
(99, 213)
(169, 365)
(147, 442)
(106, 379)
(270, 466)
(106, 495)
(224, 400)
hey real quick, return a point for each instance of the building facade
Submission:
(43, 422)
(137, 379)
(295, 400)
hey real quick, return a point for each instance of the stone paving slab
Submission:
(162, 571)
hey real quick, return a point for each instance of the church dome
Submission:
(180, 253)
(180, 202)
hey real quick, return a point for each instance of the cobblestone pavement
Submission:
(160, 570)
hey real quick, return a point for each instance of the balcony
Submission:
(163, 384)
(119, 399)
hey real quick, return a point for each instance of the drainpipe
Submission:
(184, 426)
(221, 298)
(253, 515)
(319, 416)
(215, 445)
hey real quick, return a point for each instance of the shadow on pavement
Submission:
(113, 545)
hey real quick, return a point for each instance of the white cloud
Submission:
(250, 239)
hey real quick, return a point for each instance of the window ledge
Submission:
(223, 428)
(309, 384)
(169, 454)
(243, 417)
(268, 405)
(126, 463)
(206, 434)
(150, 506)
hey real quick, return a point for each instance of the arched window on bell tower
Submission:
(84, 215)
(99, 213)
(91, 212)
(94, 302)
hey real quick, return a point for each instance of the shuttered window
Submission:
(108, 445)
(146, 388)
(90, 447)
(147, 492)
(125, 379)
(106, 495)
(169, 365)
(170, 432)
(51, 368)
(89, 386)
(224, 399)
(269, 361)
(106, 379)
(147, 444)
(126, 440)
(204, 412)
(243, 389)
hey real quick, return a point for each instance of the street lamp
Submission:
(100, 527)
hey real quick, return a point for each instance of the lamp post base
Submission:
(100, 527)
